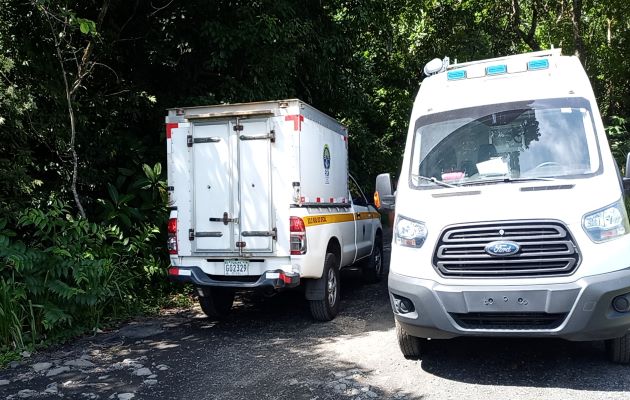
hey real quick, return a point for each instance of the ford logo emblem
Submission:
(502, 248)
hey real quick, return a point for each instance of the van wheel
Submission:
(217, 302)
(619, 349)
(327, 308)
(373, 268)
(410, 346)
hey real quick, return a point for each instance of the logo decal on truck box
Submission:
(326, 158)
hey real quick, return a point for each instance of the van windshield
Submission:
(540, 139)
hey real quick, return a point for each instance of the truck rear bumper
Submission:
(580, 310)
(276, 279)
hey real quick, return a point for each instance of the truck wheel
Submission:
(619, 349)
(410, 346)
(373, 268)
(217, 303)
(327, 308)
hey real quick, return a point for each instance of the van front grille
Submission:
(509, 321)
(546, 248)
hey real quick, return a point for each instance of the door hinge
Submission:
(272, 233)
(237, 127)
(189, 140)
(191, 234)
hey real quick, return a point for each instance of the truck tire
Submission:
(327, 308)
(410, 346)
(619, 349)
(217, 303)
(373, 268)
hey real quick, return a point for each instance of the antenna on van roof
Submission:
(436, 66)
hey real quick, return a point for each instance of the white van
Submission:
(261, 199)
(510, 216)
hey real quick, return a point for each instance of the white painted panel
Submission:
(255, 184)
(323, 163)
(213, 183)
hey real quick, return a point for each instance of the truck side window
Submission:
(355, 192)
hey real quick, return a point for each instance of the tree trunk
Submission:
(577, 30)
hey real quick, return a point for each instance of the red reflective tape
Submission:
(173, 271)
(297, 121)
(318, 200)
(331, 200)
(170, 126)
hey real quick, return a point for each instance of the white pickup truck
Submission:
(261, 198)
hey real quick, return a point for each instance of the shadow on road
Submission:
(547, 363)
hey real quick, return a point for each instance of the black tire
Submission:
(373, 268)
(217, 302)
(619, 349)
(410, 346)
(327, 308)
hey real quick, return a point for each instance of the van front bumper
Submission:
(579, 311)
(276, 279)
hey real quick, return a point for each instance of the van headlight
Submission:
(410, 233)
(606, 223)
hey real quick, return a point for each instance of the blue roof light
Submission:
(534, 65)
(456, 75)
(496, 69)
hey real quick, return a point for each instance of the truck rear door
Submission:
(232, 185)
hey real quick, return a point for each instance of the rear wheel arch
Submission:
(316, 288)
(334, 247)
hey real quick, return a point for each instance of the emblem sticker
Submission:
(326, 157)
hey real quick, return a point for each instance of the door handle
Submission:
(226, 219)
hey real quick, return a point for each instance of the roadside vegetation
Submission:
(84, 86)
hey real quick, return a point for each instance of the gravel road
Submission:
(270, 348)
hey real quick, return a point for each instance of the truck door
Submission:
(214, 178)
(232, 185)
(254, 171)
(363, 221)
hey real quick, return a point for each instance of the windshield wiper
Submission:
(434, 180)
(505, 179)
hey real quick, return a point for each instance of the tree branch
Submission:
(529, 37)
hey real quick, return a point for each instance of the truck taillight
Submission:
(172, 236)
(298, 236)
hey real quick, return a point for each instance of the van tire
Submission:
(373, 268)
(217, 302)
(327, 308)
(619, 349)
(410, 346)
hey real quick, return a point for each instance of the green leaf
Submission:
(113, 192)
(84, 27)
(148, 171)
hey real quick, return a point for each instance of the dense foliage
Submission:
(84, 86)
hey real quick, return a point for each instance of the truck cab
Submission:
(510, 214)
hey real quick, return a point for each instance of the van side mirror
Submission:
(626, 178)
(384, 198)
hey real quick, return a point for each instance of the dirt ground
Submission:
(270, 348)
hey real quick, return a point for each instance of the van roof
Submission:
(521, 77)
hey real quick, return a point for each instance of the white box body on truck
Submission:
(261, 198)
(510, 216)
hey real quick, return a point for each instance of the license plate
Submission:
(236, 267)
(511, 301)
